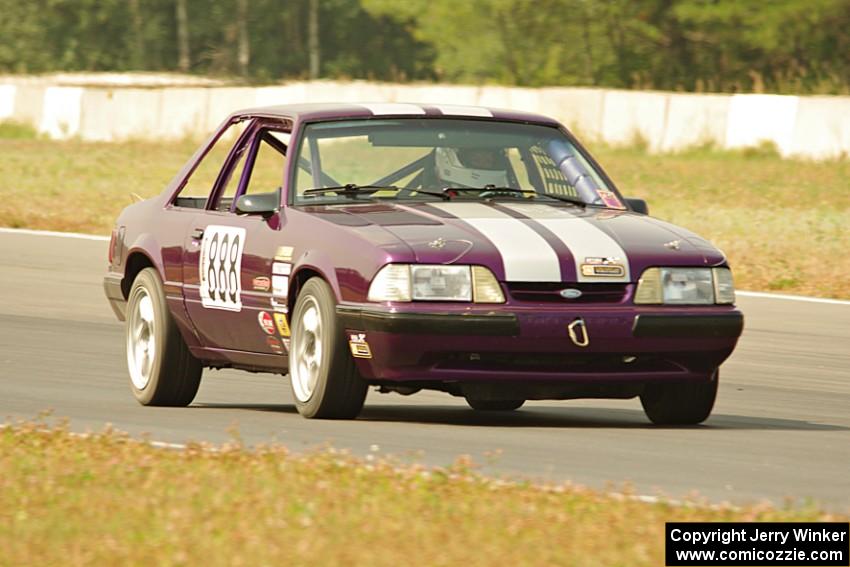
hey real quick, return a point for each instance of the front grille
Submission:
(551, 292)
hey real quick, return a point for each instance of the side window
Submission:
(267, 172)
(228, 194)
(201, 181)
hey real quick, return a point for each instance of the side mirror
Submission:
(265, 204)
(638, 205)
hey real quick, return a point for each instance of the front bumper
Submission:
(115, 295)
(510, 343)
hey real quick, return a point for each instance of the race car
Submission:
(479, 252)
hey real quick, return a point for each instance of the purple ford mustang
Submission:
(478, 252)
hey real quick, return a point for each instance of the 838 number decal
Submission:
(220, 267)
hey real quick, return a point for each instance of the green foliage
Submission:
(690, 45)
(122, 35)
(10, 130)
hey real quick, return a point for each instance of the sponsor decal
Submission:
(274, 344)
(285, 344)
(603, 271)
(610, 199)
(281, 268)
(220, 267)
(266, 322)
(603, 267)
(280, 286)
(279, 306)
(358, 345)
(282, 325)
(605, 261)
(283, 254)
(261, 283)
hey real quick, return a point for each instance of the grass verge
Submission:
(105, 499)
(783, 223)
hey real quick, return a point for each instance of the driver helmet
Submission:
(471, 167)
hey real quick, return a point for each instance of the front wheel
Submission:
(162, 370)
(683, 403)
(324, 380)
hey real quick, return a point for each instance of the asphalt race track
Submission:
(780, 429)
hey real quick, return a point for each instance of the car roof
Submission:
(330, 111)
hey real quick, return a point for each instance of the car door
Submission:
(229, 256)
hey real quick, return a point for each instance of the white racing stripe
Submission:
(460, 110)
(388, 108)
(579, 235)
(525, 253)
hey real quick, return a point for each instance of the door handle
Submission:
(197, 234)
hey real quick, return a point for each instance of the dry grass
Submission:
(783, 223)
(107, 500)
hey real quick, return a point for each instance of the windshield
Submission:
(428, 159)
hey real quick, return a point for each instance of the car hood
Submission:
(522, 241)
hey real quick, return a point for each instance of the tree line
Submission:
(795, 46)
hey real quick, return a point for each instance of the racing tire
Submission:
(494, 405)
(683, 403)
(162, 370)
(324, 380)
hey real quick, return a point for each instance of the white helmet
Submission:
(458, 168)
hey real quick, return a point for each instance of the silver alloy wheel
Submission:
(141, 340)
(306, 355)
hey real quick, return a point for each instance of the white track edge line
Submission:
(756, 294)
(805, 298)
(53, 233)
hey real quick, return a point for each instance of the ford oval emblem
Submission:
(570, 293)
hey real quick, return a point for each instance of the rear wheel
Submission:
(494, 405)
(684, 403)
(324, 380)
(162, 370)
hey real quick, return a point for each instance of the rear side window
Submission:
(198, 187)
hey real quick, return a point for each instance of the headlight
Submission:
(425, 282)
(391, 283)
(724, 288)
(442, 283)
(685, 286)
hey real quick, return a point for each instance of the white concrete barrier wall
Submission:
(7, 101)
(60, 114)
(754, 119)
(694, 120)
(821, 127)
(812, 127)
(630, 116)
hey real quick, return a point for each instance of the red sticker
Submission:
(274, 344)
(266, 322)
(610, 199)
